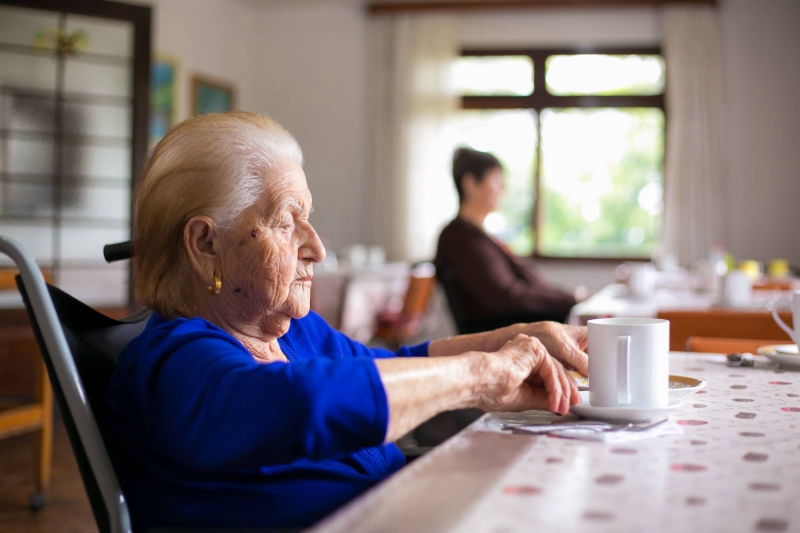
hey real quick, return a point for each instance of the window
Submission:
(581, 136)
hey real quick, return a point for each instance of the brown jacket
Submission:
(493, 282)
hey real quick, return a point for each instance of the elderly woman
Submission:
(238, 406)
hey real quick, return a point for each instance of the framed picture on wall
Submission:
(210, 95)
(163, 97)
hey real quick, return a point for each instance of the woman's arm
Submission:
(565, 343)
(520, 375)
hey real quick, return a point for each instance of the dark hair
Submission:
(469, 161)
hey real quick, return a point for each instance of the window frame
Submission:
(541, 99)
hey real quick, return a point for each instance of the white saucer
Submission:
(788, 349)
(679, 386)
(781, 354)
(622, 414)
(683, 386)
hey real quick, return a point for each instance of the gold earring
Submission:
(216, 287)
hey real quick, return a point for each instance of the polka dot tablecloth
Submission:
(735, 468)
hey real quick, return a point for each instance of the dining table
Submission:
(616, 300)
(729, 462)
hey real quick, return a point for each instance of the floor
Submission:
(67, 509)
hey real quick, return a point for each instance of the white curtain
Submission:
(695, 188)
(412, 99)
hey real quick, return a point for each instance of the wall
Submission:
(212, 38)
(312, 78)
(762, 70)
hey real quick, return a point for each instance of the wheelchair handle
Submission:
(117, 251)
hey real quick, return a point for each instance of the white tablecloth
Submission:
(736, 467)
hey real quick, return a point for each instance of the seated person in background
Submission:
(237, 406)
(493, 286)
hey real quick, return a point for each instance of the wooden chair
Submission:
(18, 352)
(397, 328)
(723, 324)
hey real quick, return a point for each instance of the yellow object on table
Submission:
(778, 268)
(751, 268)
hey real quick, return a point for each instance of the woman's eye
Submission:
(284, 224)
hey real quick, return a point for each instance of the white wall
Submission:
(213, 38)
(762, 69)
(311, 72)
(305, 63)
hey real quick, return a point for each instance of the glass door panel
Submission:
(22, 26)
(66, 118)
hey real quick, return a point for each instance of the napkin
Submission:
(623, 435)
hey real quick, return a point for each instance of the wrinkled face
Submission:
(269, 256)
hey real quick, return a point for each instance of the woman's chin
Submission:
(299, 310)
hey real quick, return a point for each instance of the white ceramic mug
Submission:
(642, 279)
(795, 302)
(628, 362)
(737, 289)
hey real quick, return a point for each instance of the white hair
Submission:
(212, 165)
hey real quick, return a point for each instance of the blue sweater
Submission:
(201, 433)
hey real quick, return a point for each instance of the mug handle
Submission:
(774, 308)
(623, 367)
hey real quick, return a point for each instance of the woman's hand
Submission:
(522, 375)
(516, 376)
(566, 343)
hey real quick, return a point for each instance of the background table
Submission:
(350, 298)
(736, 467)
(615, 301)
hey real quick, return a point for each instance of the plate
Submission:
(623, 414)
(777, 354)
(679, 386)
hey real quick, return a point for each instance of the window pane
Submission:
(493, 75)
(511, 136)
(601, 181)
(605, 74)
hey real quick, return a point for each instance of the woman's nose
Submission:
(312, 248)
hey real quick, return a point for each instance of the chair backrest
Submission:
(65, 326)
(721, 323)
(447, 278)
(421, 283)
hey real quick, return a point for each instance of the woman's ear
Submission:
(201, 240)
(468, 184)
